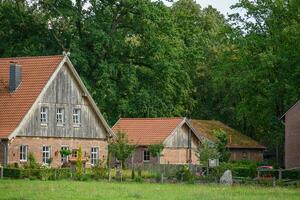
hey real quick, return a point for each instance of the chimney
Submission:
(15, 76)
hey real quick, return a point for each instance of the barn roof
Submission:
(235, 138)
(36, 73)
(145, 131)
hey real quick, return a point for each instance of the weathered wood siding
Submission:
(64, 92)
(179, 139)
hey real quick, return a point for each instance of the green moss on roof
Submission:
(235, 138)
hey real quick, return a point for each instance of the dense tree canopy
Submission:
(140, 58)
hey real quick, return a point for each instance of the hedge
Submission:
(239, 169)
(42, 174)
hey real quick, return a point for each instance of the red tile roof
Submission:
(235, 138)
(36, 72)
(145, 131)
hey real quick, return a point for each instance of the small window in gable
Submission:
(60, 116)
(76, 116)
(44, 115)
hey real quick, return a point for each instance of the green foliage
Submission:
(185, 174)
(156, 149)
(79, 165)
(221, 145)
(238, 169)
(33, 174)
(31, 163)
(65, 152)
(207, 151)
(120, 148)
(99, 171)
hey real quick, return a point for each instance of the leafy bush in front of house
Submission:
(185, 174)
(33, 174)
(79, 165)
(12, 173)
(99, 171)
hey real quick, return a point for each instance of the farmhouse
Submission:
(45, 108)
(292, 136)
(178, 136)
(241, 146)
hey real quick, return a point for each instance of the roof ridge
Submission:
(151, 118)
(31, 57)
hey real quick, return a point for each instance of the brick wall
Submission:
(35, 145)
(292, 137)
(177, 156)
(169, 156)
(248, 154)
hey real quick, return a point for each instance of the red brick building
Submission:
(292, 136)
(178, 136)
(45, 107)
(241, 146)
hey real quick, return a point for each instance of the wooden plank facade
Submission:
(62, 116)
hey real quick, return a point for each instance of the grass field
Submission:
(47, 190)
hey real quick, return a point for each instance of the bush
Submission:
(185, 174)
(293, 174)
(12, 173)
(99, 170)
(238, 169)
(33, 174)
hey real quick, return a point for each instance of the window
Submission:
(23, 152)
(46, 154)
(76, 116)
(74, 153)
(245, 155)
(60, 115)
(44, 115)
(94, 155)
(146, 155)
(64, 158)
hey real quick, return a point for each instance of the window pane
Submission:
(146, 155)
(44, 115)
(94, 155)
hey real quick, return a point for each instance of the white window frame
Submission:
(64, 159)
(76, 116)
(46, 153)
(144, 156)
(44, 113)
(23, 153)
(94, 155)
(60, 116)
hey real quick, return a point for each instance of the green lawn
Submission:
(25, 189)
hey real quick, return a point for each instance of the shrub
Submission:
(12, 173)
(238, 169)
(99, 170)
(79, 165)
(185, 174)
